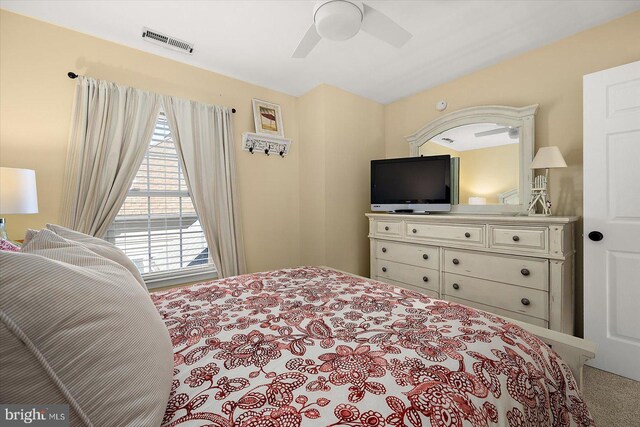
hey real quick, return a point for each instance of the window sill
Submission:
(174, 278)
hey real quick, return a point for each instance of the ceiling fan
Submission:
(342, 19)
(513, 132)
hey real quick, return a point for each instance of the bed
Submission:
(313, 346)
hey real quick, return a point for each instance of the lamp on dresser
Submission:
(546, 158)
(18, 194)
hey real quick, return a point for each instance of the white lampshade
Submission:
(548, 157)
(18, 191)
(477, 200)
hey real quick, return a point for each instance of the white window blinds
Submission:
(157, 226)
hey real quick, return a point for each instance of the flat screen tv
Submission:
(411, 184)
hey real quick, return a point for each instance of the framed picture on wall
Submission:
(267, 117)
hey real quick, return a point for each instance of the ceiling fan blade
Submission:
(381, 26)
(308, 42)
(492, 132)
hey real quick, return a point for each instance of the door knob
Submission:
(596, 236)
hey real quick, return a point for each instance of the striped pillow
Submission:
(101, 247)
(76, 328)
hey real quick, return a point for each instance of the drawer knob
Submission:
(414, 231)
(384, 249)
(515, 238)
(456, 261)
(425, 256)
(456, 286)
(525, 272)
(467, 234)
(386, 228)
(384, 269)
(525, 301)
(425, 279)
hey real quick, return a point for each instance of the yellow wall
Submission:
(35, 113)
(496, 168)
(430, 148)
(488, 171)
(341, 133)
(355, 136)
(312, 135)
(550, 76)
(324, 179)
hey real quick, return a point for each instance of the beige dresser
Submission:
(518, 266)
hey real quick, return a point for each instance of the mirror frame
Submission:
(523, 118)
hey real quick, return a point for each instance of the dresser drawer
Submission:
(469, 234)
(500, 312)
(531, 238)
(427, 292)
(421, 256)
(423, 278)
(388, 228)
(531, 302)
(522, 271)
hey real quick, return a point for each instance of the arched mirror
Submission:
(491, 149)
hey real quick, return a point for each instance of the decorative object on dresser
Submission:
(18, 194)
(517, 266)
(546, 158)
(267, 118)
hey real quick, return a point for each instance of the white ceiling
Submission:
(465, 139)
(253, 40)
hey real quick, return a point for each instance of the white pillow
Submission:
(76, 328)
(101, 247)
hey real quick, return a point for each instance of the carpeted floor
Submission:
(614, 401)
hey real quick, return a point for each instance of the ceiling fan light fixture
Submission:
(338, 19)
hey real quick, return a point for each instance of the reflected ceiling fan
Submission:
(343, 19)
(513, 132)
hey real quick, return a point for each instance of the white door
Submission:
(612, 214)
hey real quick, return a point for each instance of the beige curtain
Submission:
(111, 129)
(204, 141)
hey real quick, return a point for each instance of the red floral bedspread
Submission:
(314, 347)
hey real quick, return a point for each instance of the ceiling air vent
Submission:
(158, 38)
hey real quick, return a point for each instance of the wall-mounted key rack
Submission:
(267, 144)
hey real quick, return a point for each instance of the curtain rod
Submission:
(73, 75)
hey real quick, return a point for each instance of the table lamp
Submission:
(546, 158)
(17, 194)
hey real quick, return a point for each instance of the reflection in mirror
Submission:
(488, 156)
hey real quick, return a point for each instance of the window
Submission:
(157, 226)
